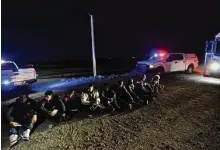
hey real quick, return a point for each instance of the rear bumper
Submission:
(11, 86)
(7, 87)
(147, 70)
(31, 81)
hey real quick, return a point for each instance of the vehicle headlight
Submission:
(214, 66)
(6, 82)
(151, 66)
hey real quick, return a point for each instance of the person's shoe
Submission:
(26, 135)
(130, 107)
(146, 103)
(113, 109)
(90, 115)
(14, 139)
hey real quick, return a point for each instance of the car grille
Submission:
(142, 66)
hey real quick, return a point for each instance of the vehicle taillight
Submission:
(35, 74)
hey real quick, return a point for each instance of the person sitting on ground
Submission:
(132, 90)
(52, 107)
(22, 116)
(72, 102)
(124, 98)
(144, 90)
(155, 84)
(109, 98)
(91, 100)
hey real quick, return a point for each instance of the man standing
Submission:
(22, 115)
(52, 107)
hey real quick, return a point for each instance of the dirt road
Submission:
(186, 115)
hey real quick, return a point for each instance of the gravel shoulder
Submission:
(186, 115)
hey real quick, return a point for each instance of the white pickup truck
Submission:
(168, 62)
(12, 76)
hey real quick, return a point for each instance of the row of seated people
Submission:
(24, 114)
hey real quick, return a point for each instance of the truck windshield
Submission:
(158, 58)
(9, 66)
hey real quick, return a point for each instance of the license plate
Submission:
(18, 83)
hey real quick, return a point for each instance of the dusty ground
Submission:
(186, 115)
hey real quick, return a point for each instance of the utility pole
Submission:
(93, 46)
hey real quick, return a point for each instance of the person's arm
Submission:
(10, 118)
(42, 107)
(8, 115)
(35, 111)
(130, 89)
(84, 99)
(114, 94)
(126, 91)
(148, 88)
(35, 106)
(103, 94)
(34, 119)
(62, 105)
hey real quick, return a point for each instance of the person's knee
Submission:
(12, 131)
(34, 119)
(30, 126)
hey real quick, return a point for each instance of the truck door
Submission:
(177, 62)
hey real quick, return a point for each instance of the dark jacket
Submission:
(144, 87)
(22, 112)
(123, 92)
(73, 102)
(108, 95)
(55, 103)
(132, 89)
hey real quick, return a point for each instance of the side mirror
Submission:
(27, 66)
(168, 60)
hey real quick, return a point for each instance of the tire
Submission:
(160, 70)
(190, 69)
(27, 87)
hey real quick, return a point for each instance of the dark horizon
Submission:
(43, 31)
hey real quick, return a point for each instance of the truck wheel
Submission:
(190, 69)
(27, 87)
(160, 70)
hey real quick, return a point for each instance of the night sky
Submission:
(59, 30)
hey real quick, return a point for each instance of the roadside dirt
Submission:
(186, 115)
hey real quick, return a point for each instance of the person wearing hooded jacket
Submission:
(124, 98)
(72, 102)
(133, 91)
(144, 90)
(22, 116)
(91, 100)
(108, 97)
(155, 84)
(52, 107)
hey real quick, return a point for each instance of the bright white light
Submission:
(214, 66)
(155, 55)
(162, 54)
(2, 61)
(6, 82)
(151, 66)
(207, 80)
